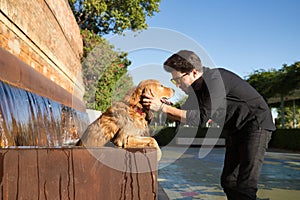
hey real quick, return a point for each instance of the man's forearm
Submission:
(174, 113)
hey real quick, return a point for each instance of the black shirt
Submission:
(228, 100)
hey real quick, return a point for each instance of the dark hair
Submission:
(183, 61)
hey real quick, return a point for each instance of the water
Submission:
(27, 119)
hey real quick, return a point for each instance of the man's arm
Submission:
(174, 113)
(157, 105)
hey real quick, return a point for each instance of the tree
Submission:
(113, 84)
(292, 120)
(113, 16)
(278, 84)
(103, 68)
(264, 82)
(289, 78)
(104, 72)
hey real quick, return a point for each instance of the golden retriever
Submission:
(125, 123)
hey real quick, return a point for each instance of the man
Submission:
(226, 99)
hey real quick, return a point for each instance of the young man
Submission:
(223, 97)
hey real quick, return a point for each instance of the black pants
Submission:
(244, 157)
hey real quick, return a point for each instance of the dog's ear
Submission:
(146, 90)
(134, 97)
(149, 113)
(128, 97)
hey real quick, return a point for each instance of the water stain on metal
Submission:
(73, 173)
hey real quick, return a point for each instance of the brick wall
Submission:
(44, 35)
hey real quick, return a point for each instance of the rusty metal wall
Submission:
(78, 173)
(19, 74)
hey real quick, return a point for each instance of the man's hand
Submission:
(152, 102)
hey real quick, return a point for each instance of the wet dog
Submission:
(125, 123)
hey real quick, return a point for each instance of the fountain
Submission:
(27, 119)
(42, 114)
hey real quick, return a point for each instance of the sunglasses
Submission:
(177, 80)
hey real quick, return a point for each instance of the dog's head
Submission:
(151, 87)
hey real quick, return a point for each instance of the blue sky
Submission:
(240, 35)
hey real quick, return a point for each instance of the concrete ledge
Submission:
(201, 141)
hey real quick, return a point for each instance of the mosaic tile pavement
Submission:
(183, 175)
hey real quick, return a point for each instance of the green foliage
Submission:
(288, 139)
(289, 116)
(114, 16)
(112, 85)
(275, 83)
(289, 79)
(168, 135)
(91, 41)
(104, 72)
(180, 101)
(264, 82)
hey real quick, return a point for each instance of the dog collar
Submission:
(138, 110)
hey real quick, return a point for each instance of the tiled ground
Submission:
(183, 175)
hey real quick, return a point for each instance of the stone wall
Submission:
(44, 35)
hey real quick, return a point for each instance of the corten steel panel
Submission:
(78, 173)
